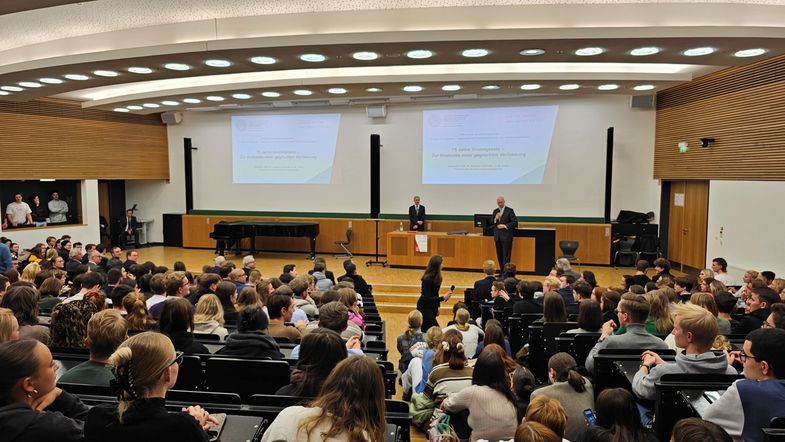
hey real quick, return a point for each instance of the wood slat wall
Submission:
(743, 108)
(56, 139)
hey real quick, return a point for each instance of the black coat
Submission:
(255, 344)
(360, 286)
(527, 306)
(146, 420)
(184, 342)
(752, 321)
(415, 216)
(482, 289)
(62, 421)
(507, 218)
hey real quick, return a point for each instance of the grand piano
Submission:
(228, 233)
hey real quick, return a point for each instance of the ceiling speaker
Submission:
(643, 101)
(172, 117)
(376, 110)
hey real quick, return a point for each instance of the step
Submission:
(410, 298)
(411, 288)
(389, 307)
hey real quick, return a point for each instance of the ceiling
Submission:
(41, 50)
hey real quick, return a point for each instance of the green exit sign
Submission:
(682, 149)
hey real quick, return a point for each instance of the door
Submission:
(687, 223)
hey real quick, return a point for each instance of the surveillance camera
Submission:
(706, 142)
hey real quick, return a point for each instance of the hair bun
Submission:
(459, 347)
(445, 346)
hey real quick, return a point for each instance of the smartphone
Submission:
(452, 287)
(590, 418)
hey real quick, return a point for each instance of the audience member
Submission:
(531, 431)
(482, 287)
(209, 317)
(566, 281)
(9, 326)
(706, 300)
(549, 412)
(32, 409)
(177, 322)
(633, 311)
(574, 392)
(618, 419)
(720, 268)
(58, 209)
(137, 315)
(23, 301)
(554, 309)
(471, 333)
(757, 309)
(640, 278)
(527, 303)
(131, 258)
(494, 334)
(589, 318)
(663, 268)
(251, 338)
(208, 283)
(349, 298)
(299, 286)
(410, 337)
(449, 374)
(320, 351)
(106, 330)
(360, 286)
(69, 323)
(350, 406)
(90, 282)
(18, 213)
(693, 429)
(416, 375)
(777, 317)
(489, 400)
(749, 404)
(523, 383)
(146, 366)
(280, 309)
(323, 282)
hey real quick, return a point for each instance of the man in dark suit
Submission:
(417, 216)
(482, 287)
(128, 226)
(504, 224)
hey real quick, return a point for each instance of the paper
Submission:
(678, 199)
(421, 243)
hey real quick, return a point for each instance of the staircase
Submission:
(402, 298)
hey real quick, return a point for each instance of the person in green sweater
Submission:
(106, 330)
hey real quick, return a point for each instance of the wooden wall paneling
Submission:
(55, 140)
(743, 108)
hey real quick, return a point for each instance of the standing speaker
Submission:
(376, 148)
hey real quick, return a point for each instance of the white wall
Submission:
(89, 232)
(750, 215)
(578, 142)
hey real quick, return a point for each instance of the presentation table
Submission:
(532, 250)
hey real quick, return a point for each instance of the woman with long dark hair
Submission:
(618, 419)
(320, 351)
(490, 401)
(430, 301)
(350, 407)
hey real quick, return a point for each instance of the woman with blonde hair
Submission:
(411, 336)
(350, 407)
(209, 318)
(30, 272)
(659, 312)
(706, 300)
(550, 284)
(146, 367)
(137, 316)
(471, 333)
(9, 326)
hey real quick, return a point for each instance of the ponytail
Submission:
(576, 381)
(564, 368)
(415, 323)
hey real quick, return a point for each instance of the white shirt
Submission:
(18, 212)
(155, 299)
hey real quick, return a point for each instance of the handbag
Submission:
(440, 429)
(421, 409)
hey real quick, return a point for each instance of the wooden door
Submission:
(103, 206)
(687, 223)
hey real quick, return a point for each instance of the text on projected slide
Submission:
(284, 149)
(504, 145)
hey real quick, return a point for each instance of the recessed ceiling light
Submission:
(214, 98)
(451, 87)
(532, 52)
(530, 87)
(412, 88)
(241, 96)
(134, 107)
(695, 52)
(151, 105)
(121, 109)
(365, 55)
(30, 84)
(77, 77)
(569, 87)
(373, 89)
(263, 60)
(419, 54)
(191, 100)
(608, 87)
(48, 80)
(639, 52)
(170, 103)
(337, 90)
(749, 52)
(473, 53)
(4, 93)
(644, 87)
(491, 87)
(271, 94)
(586, 52)
(105, 73)
(302, 92)
(12, 88)
(177, 66)
(140, 70)
(215, 63)
(313, 58)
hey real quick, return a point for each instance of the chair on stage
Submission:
(343, 243)
(568, 249)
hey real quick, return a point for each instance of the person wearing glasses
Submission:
(146, 367)
(760, 396)
(777, 317)
(106, 330)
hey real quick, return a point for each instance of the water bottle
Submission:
(400, 226)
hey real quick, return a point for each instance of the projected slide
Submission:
(505, 145)
(284, 149)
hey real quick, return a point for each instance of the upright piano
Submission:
(228, 233)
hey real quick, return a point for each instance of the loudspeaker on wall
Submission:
(172, 117)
